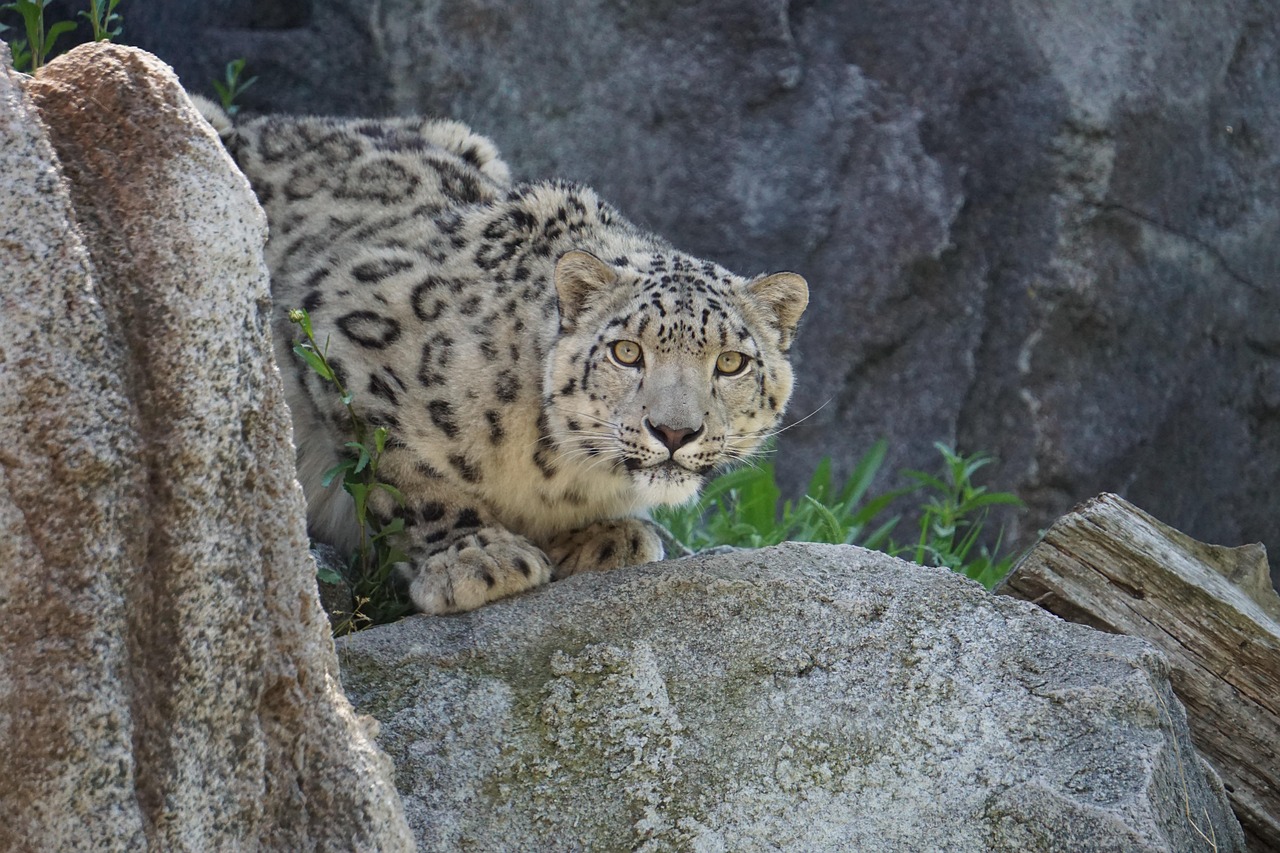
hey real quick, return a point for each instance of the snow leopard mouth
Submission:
(668, 467)
(666, 482)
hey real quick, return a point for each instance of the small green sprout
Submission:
(232, 87)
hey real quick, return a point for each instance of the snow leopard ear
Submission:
(579, 277)
(786, 295)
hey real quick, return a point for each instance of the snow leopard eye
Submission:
(626, 353)
(731, 363)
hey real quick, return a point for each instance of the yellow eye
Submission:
(626, 352)
(731, 363)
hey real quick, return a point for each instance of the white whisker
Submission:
(588, 416)
(797, 423)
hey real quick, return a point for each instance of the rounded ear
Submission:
(786, 295)
(579, 278)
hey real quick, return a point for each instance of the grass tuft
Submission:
(744, 508)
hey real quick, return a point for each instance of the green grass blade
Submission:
(55, 31)
(878, 539)
(820, 483)
(859, 480)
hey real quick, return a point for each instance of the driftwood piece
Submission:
(1210, 609)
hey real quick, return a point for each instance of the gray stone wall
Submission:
(1047, 230)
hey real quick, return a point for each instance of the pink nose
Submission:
(674, 439)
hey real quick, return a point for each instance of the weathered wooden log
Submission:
(1210, 609)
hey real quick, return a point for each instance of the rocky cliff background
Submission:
(1049, 230)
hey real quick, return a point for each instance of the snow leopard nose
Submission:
(674, 439)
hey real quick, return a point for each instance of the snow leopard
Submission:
(546, 371)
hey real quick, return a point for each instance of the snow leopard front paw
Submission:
(477, 568)
(605, 545)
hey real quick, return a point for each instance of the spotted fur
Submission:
(490, 326)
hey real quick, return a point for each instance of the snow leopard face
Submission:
(668, 367)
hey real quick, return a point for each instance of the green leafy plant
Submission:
(232, 86)
(953, 515)
(32, 52)
(101, 16)
(744, 509)
(19, 51)
(741, 508)
(376, 599)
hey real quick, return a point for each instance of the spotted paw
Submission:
(605, 545)
(478, 568)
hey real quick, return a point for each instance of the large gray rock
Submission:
(1042, 229)
(167, 681)
(805, 697)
